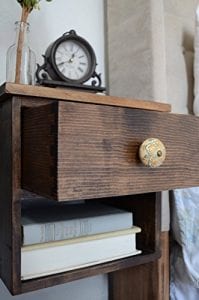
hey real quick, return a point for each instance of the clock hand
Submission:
(61, 63)
(70, 60)
(77, 50)
(67, 61)
(73, 55)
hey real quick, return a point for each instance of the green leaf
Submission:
(30, 3)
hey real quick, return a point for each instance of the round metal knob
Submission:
(152, 153)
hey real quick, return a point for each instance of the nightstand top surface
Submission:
(12, 89)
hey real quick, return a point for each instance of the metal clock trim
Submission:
(51, 52)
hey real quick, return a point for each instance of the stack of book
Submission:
(60, 237)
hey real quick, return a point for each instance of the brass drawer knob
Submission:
(152, 153)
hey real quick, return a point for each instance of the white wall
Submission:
(93, 288)
(47, 24)
(51, 21)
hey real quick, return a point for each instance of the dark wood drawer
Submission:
(93, 150)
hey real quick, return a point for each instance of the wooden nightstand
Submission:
(88, 147)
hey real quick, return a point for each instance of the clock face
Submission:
(73, 60)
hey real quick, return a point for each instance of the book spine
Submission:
(47, 232)
(55, 259)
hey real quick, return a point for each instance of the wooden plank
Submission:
(56, 279)
(139, 283)
(76, 96)
(149, 243)
(45, 151)
(96, 149)
(148, 218)
(143, 282)
(163, 267)
(10, 210)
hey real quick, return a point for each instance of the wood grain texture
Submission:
(143, 282)
(163, 267)
(137, 283)
(97, 151)
(40, 148)
(146, 209)
(49, 129)
(10, 229)
(73, 95)
(49, 281)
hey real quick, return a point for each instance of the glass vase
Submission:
(20, 59)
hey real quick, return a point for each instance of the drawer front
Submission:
(95, 150)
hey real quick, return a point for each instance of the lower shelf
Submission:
(146, 210)
(40, 283)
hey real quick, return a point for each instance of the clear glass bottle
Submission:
(26, 58)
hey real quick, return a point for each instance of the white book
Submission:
(56, 257)
(42, 223)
